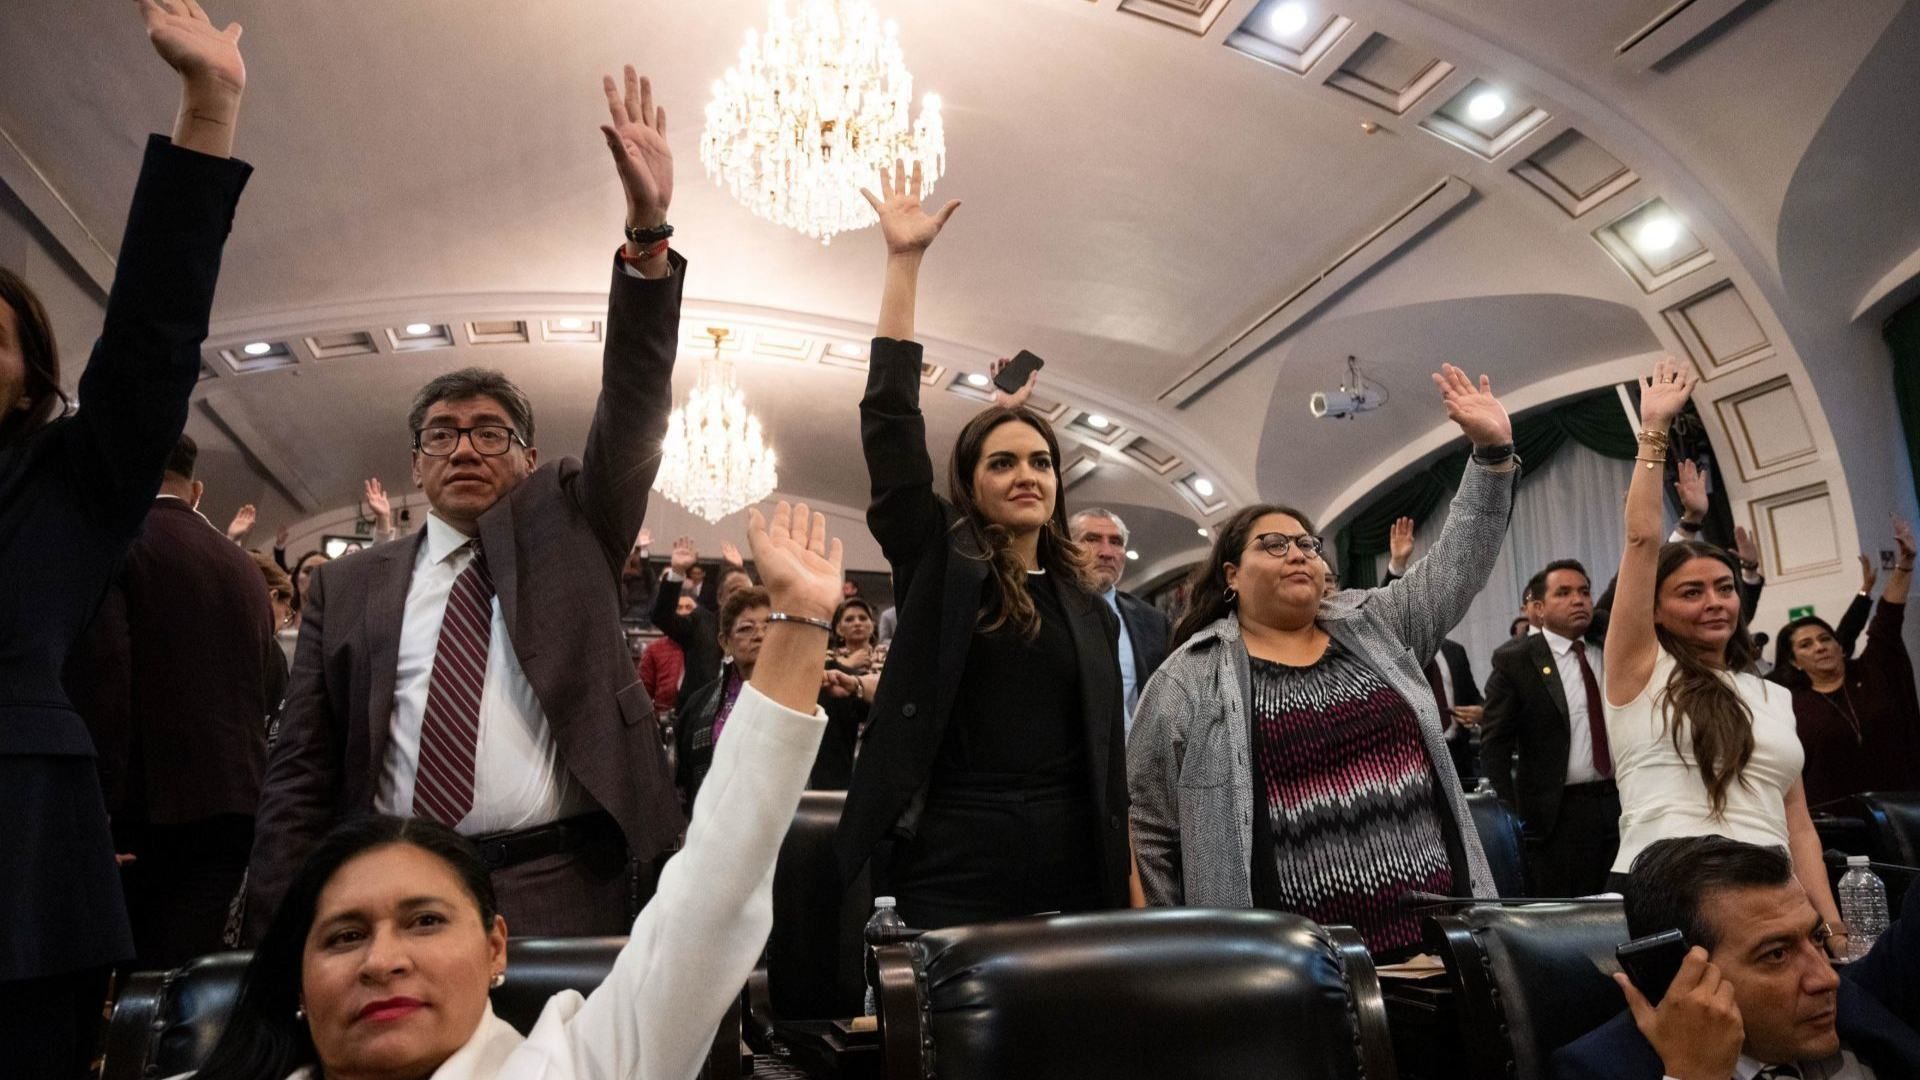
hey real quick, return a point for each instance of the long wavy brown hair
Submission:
(1721, 721)
(46, 401)
(1008, 600)
(1208, 599)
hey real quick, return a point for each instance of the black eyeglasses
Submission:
(1276, 544)
(487, 440)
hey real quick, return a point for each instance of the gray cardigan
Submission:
(1187, 768)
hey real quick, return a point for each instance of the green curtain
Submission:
(1595, 421)
(1903, 339)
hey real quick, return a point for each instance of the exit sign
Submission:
(1799, 612)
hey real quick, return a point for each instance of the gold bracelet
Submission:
(1656, 439)
(1652, 461)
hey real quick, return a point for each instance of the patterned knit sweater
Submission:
(1350, 797)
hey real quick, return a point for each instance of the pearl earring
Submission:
(300, 1013)
(499, 979)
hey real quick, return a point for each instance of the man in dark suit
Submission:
(173, 680)
(479, 675)
(1144, 630)
(1544, 744)
(1450, 674)
(697, 632)
(1757, 995)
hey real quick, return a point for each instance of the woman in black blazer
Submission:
(992, 778)
(73, 492)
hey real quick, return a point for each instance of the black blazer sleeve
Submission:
(1497, 732)
(147, 359)
(905, 515)
(1854, 621)
(299, 797)
(676, 627)
(630, 415)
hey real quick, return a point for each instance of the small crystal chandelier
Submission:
(815, 108)
(714, 460)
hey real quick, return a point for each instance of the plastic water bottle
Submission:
(886, 927)
(1863, 904)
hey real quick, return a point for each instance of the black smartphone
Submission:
(1015, 374)
(1652, 962)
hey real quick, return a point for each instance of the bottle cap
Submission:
(1856, 860)
(883, 901)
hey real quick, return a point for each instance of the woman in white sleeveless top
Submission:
(1700, 744)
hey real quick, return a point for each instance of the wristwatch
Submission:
(645, 238)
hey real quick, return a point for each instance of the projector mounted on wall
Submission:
(1354, 397)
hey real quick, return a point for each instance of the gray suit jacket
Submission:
(556, 544)
(1187, 771)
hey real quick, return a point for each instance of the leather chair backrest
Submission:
(1893, 821)
(814, 954)
(1499, 829)
(1149, 994)
(1529, 980)
(167, 1023)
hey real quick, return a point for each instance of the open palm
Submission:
(904, 223)
(800, 568)
(638, 139)
(185, 38)
(1479, 414)
(1665, 393)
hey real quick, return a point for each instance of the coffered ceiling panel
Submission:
(1575, 172)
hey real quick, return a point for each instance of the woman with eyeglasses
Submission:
(1289, 754)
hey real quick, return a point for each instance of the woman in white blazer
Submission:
(379, 961)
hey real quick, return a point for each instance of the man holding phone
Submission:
(1755, 997)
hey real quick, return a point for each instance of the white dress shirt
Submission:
(1841, 1066)
(1129, 679)
(1580, 768)
(519, 781)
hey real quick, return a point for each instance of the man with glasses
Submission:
(479, 675)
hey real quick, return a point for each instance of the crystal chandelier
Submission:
(815, 108)
(714, 460)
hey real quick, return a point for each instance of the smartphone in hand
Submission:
(1015, 374)
(1652, 962)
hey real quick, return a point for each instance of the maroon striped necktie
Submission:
(450, 731)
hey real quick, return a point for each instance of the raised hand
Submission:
(1746, 547)
(185, 38)
(1664, 394)
(645, 538)
(1480, 415)
(1400, 543)
(242, 523)
(800, 569)
(1019, 397)
(731, 554)
(282, 534)
(1690, 484)
(378, 504)
(684, 556)
(905, 224)
(638, 139)
(1903, 536)
(1869, 574)
(1697, 1029)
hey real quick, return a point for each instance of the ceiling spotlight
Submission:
(419, 329)
(1203, 532)
(1658, 234)
(1203, 487)
(570, 324)
(1289, 18)
(1486, 105)
(977, 379)
(258, 348)
(1098, 422)
(1132, 554)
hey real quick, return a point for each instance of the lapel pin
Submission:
(1546, 671)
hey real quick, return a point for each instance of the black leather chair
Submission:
(1499, 829)
(1528, 980)
(814, 954)
(1893, 825)
(167, 1022)
(1124, 994)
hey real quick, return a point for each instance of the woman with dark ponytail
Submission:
(992, 779)
(1289, 753)
(1698, 743)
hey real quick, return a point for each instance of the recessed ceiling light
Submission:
(570, 324)
(418, 329)
(1098, 422)
(1658, 234)
(1203, 486)
(1132, 554)
(258, 348)
(1487, 105)
(1203, 531)
(1289, 18)
(976, 379)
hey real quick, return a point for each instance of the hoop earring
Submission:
(1232, 597)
